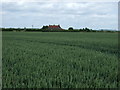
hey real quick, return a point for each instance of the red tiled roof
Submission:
(54, 26)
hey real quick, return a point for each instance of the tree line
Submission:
(44, 29)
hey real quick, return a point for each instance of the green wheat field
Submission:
(59, 60)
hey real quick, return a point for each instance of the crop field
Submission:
(59, 60)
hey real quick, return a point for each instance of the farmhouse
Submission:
(54, 27)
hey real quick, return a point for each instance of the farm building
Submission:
(52, 27)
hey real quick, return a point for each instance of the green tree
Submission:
(44, 27)
(70, 28)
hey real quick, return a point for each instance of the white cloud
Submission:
(60, 0)
(76, 14)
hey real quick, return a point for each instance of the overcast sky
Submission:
(95, 15)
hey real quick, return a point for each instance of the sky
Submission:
(76, 14)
